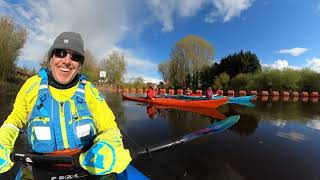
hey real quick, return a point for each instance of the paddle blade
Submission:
(224, 124)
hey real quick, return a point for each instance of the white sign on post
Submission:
(103, 74)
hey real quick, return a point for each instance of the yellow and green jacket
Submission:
(58, 119)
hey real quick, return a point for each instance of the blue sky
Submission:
(281, 33)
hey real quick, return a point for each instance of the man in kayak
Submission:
(151, 92)
(209, 92)
(63, 113)
(188, 91)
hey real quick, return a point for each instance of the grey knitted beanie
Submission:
(68, 40)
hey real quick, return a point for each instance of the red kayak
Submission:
(204, 111)
(214, 103)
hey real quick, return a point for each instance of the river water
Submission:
(276, 139)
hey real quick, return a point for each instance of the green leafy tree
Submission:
(243, 62)
(241, 81)
(309, 81)
(12, 40)
(115, 66)
(222, 81)
(208, 74)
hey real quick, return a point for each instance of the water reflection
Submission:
(314, 99)
(285, 98)
(314, 124)
(293, 136)
(278, 134)
(275, 98)
(214, 113)
(248, 122)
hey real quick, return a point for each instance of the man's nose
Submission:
(67, 59)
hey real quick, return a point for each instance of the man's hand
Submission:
(107, 155)
(5, 162)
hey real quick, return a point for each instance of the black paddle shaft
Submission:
(42, 159)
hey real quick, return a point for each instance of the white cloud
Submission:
(314, 64)
(166, 10)
(293, 136)
(227, 9)
(141, 68)
(279, 123)
(294, 51)
(163, 10)
(189, 7)
(280, 64)
(314, 124)
(101, 24)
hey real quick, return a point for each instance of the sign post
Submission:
(103, 75)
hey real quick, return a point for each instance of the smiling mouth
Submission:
(65, 69)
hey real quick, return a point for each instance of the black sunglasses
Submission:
(62, 53)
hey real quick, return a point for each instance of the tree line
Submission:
(191, 65)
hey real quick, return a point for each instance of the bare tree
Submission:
(90, 66)
(163, 68)
(115, 66)
(188, 57)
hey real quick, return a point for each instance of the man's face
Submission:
(64, 69)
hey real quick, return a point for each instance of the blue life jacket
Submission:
(54, 125)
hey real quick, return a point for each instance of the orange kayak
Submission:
(212, 103)
(204, 111)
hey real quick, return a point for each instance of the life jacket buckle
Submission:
(40, 106)
(43, 97)
(79, 99)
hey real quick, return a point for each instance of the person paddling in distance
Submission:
(63, 113)
(188, 91)
(209, 92)
(151, 92)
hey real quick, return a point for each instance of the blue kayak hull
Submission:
(131, 173)
(230, 99)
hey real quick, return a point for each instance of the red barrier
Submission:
(314, 94)
(162, 91)
(285, 94)
(230, 92)
(295, 94)
(140, 90)
(171, 91)
(180, 91)
(242, 93)
(264, 93)
(254, 93)
(304, 94)
(199, 91)
(132, 90)
(275, 93)
(219, 92)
